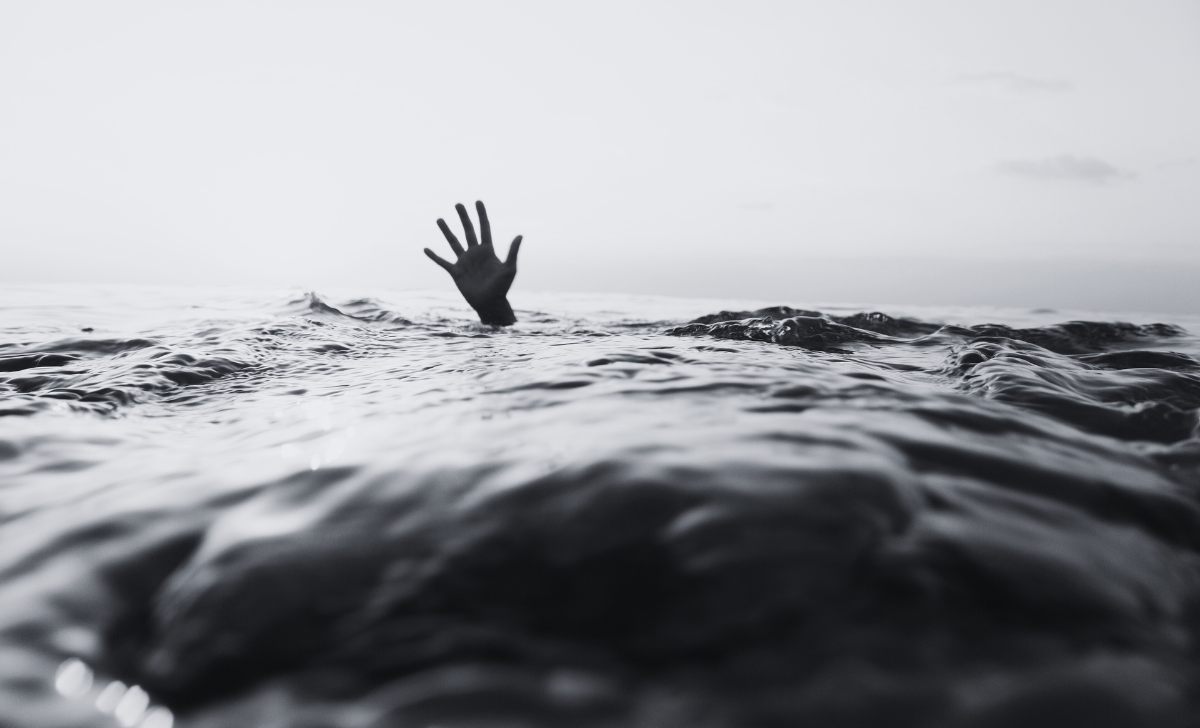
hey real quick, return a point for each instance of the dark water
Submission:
(224, 509)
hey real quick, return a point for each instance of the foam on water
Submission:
(237, 509)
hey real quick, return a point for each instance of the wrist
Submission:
(496, 313)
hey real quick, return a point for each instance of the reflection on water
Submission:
(226, 509)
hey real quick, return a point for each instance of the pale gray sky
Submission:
(692, 148)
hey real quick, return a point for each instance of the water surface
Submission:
(307, 509)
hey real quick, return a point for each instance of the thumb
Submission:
(512, 252)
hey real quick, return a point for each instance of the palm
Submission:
(480, 276)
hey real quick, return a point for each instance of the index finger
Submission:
(454, 244)
(468, 228)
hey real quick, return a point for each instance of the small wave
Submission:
(369, 309)
(875, 321)
(811, 332)
(363, 310)
(1072, 337)
(100, 375)
(93, 347)
(816, 330)
(34, 361)
(1140, 360)
(1062, 370)
(1097, 393)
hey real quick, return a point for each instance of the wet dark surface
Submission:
(328, 512)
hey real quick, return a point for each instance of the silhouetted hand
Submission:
(480, 276)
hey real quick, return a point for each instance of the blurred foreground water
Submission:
(232, 509)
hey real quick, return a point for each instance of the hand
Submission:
(480, 276)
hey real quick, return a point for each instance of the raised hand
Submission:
(480, 276)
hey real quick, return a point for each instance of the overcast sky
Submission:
(690, 148)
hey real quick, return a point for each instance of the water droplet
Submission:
(74, 678)
(131, 707)
(106, 701)
(158, 718)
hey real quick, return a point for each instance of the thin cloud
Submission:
(1015, 82)
(1187, 164)
(1065, 167)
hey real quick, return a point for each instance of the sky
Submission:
(1028, 153)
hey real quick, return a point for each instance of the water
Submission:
(294, 509)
